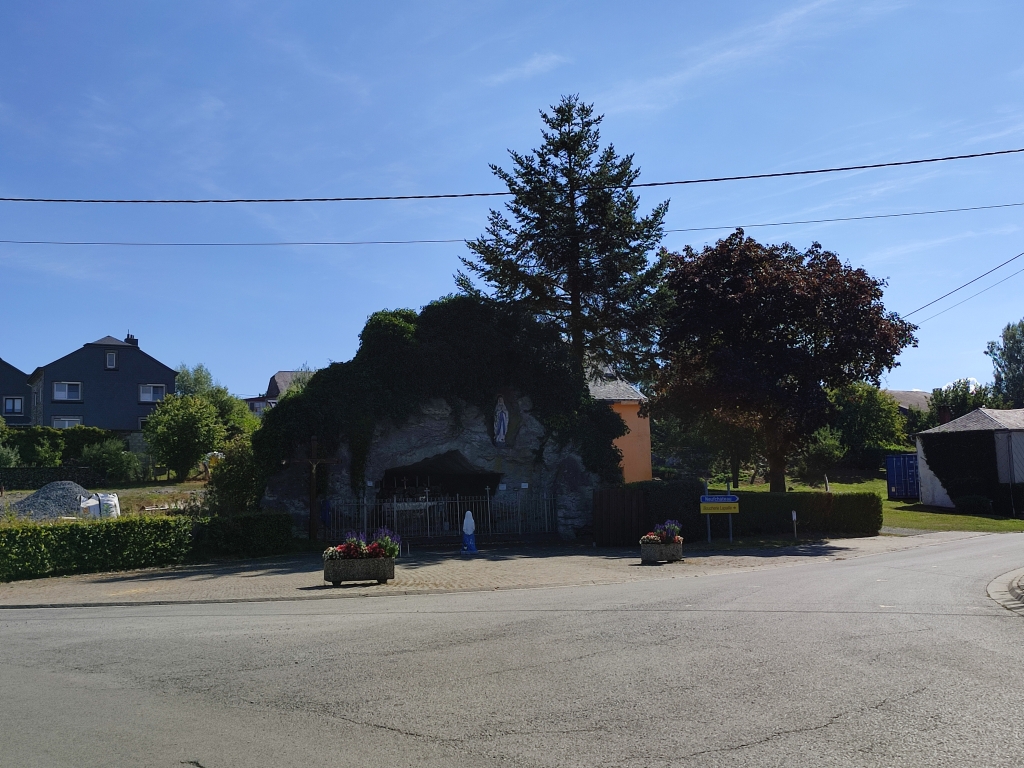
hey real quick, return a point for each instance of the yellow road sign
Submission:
(720, 508)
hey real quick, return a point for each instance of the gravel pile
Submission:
(52, 500)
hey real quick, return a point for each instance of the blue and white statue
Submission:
(468, 534)
(500, 421)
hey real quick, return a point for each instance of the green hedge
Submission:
(762, 514)
(32, 550)
(32, 478)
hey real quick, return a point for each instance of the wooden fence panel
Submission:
(620, 516)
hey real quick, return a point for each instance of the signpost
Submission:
(724, 504)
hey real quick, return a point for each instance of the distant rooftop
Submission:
(279, 383)
(910, 398)
(609, 387)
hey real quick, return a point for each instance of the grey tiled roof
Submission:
(910, 398)
(983, 420)
(609, 387)
(110, 341)
(279, 383)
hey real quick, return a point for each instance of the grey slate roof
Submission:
(983, 420)
(910, 398)
(608, 387)
(110, 341)
(279, 383)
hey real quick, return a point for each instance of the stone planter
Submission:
(378, 569)
(653, 553)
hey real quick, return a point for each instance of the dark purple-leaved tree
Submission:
(758, 334)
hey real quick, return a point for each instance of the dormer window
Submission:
(111, 361)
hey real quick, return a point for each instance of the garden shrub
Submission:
(236, 483)
(38, 446)
(110, 459)
(31, 550)
(9, 456)
(824, 451)
(77, 439)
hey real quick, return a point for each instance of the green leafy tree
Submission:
(181, 430)
(233, 413)
(1008, 363)
(821, 454)
(869, 421)
(759, 334)
(574, 249)
(960, 398)
(9, 456)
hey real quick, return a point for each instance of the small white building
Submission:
(1007, 430)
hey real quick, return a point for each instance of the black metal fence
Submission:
(440, 517)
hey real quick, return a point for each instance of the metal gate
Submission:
(440, 517)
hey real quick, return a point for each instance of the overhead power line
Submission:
(960, 288)
(462, 239)
(371, 198)
(983, 290)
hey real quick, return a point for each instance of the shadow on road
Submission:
(312, 562)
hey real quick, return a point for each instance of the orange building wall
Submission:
(636, 444)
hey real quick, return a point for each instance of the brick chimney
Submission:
(129, 339)
(945, 414)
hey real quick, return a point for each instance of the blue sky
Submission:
(248, 99)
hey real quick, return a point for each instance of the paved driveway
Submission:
(886, 659)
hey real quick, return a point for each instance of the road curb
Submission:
(1008, 591)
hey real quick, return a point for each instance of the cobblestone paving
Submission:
(301, 577)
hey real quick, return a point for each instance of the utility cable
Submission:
(371, 198)
(960, 288)
(463, 240)
(1014, 274)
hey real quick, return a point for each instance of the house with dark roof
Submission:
(910, 398)
(15, 394)
(987, 446)
(279, 384)
(625, 400)
(108, 383)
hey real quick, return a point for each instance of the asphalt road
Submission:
(887, 660)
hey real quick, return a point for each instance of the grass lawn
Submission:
(903, 514)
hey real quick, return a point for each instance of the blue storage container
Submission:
(901, 476)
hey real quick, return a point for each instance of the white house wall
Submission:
(932, 492)
(1008, 443)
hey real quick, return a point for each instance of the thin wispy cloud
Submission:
(537, 64)
(800, 24)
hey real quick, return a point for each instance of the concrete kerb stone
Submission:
(1008, 591)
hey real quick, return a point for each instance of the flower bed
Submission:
(662, 544)
(356, 560)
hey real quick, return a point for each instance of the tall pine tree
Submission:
(573, 248)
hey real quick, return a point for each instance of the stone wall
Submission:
(528, 457)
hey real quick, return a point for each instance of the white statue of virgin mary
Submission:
(500, 421)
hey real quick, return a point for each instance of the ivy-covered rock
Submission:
(462, 350)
